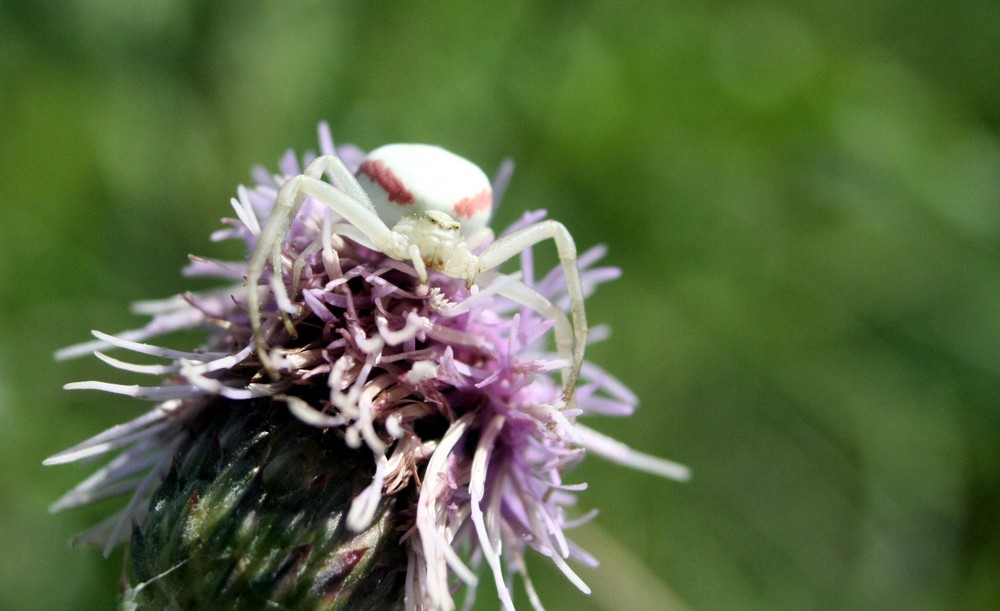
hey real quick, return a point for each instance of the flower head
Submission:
(447, 403)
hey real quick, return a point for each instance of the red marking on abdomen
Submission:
(378, 171)
(469, 206)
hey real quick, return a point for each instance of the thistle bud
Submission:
(373, 430)
(253, 514)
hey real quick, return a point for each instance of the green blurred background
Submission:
(805, 201)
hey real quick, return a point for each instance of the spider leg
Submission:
(413, 253)
(522, 294)
(347, 199)
(510, 245)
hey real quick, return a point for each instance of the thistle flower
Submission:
(409, 436)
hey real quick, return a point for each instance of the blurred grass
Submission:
(805, 201)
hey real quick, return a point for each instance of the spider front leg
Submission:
(513, 244)
(524, 295)
(347, 199)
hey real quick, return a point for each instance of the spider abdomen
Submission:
(405, 179)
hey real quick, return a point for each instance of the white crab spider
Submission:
(437, 204)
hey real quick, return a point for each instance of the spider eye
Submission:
(443, 221)
(404, 179)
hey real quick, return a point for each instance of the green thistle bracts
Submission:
(253, 515)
